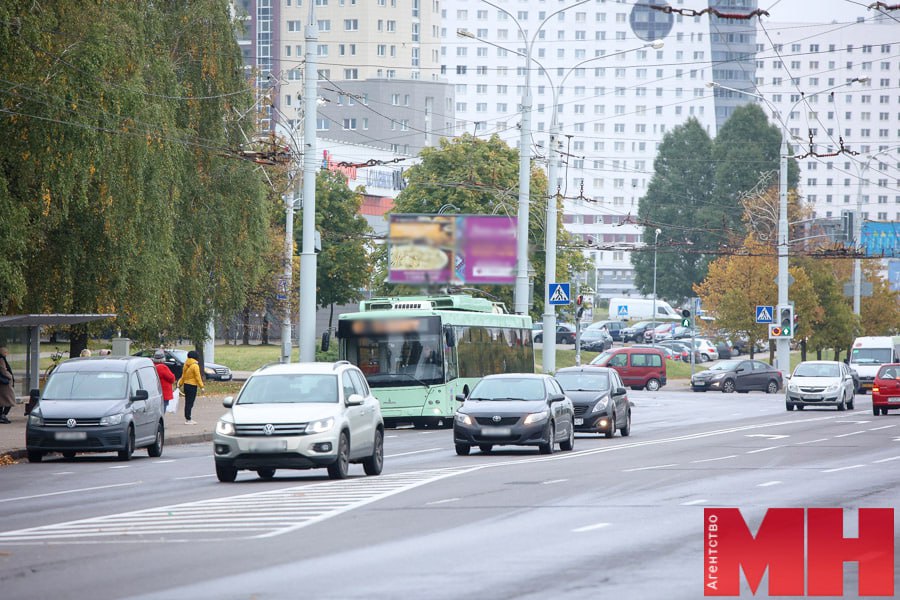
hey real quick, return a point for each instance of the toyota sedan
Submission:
(515, 409)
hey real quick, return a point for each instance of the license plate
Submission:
(893, 399)
(579, 421)
(71, 435)
(495, 431)
(268, 446)
(812, 398)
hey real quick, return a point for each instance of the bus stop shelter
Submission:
(32, 324)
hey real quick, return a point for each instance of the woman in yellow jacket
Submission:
(190, 381)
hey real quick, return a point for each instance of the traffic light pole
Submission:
(783, 345)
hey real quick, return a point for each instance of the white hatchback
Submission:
(820, 383)
(300, 416)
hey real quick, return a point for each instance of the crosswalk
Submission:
(247, 516)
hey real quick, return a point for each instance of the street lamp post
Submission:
(655, 248)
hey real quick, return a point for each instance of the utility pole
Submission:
(307, 334)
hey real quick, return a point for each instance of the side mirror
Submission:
(228, 402)
(557, 397)
(620, 391)
(34, 395)
(326, 340)
(449, 337)
(460, 397)
(354, 400)
(140, 395)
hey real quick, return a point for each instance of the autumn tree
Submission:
(880, 312)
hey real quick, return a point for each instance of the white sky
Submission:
(819, 11)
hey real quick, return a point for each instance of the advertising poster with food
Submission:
(456, 249)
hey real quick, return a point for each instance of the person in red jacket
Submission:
(166, 376)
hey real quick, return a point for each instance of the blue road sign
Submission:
(622, 311)
(765, 314)
(559, 294)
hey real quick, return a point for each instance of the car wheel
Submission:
(156, 449)
(728, 386)
(35, 456)
(801, 406)
(850, 403)
(841, 405)
(789, 406)
(652, 385)
(569, 444)
(265, 473)
(704, 358)
(876, 411)
(625, 430)
(129, 446)
(486, 448)
(550, 447)
(69, 454)
(611, 430)
(772, 388)
(225, 473)
(338, 469)
(373, 465)
(463, 449)
(538, 338)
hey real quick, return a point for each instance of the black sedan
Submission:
(599, 397)
(565, 334)
(596, 339)
(175, 361)
(738, 376)
(515, 409)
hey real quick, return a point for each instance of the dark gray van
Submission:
(100, 404)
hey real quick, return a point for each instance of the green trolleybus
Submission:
(419, 352)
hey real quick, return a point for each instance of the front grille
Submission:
(502, 421)
(78, 423)
(281, 429)
(812, 390)
(222, 371)
(580, 410)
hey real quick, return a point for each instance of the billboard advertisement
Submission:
(454, 249)
(881, 239)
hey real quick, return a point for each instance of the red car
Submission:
(886, 389)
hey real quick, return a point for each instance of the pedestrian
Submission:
(85, 352)
(7, 386)
(190, 381)
(166, 376)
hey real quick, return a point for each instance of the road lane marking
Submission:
(413, 452)
(162, 462)
(715, 459)
(119, 467)
(693, 502)
(849, 434)
(65, 473)
(768, 484)
(768, 436)
(764, 449)
(90, 489)
(648, 468)
(552, 481)
(882, 427)
(842, 468)
(811, 441)
(194, 477)
(884, 460)
(593, 527)
(442, 501)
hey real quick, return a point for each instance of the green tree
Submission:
(880, 312)
(838, 325)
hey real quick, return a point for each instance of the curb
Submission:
(176, 440)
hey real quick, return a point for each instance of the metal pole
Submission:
(286, 287)
(577, 324)
(549, 318)
(653, 318)
(521, 290)
(857, 235)
(783, 345)
(307, 334)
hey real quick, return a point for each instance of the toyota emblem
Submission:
(496, 418)
(268, 429)
(71, 423)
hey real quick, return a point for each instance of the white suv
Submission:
(300, 416)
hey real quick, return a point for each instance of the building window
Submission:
(351, 24)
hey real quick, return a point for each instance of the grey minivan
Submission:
(100, 404)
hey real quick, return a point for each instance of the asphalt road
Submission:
(618, 518)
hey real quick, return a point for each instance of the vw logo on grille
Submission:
(268, 429)
(71, 423)
(496, 418)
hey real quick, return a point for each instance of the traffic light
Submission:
(784, 327)
(685, 318)
(579, 300)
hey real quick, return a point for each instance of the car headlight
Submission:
(320, 426)
(718, 376)
(536, 417)
(464, 419)
(36, 418)
(601, 404)
(224, 427)
(208, 371)
(833, 387)
(111, 420)
(793, 387)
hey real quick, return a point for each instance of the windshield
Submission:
(181, 355)
(86, 385)
(601, 358)
(642, 324)
(397, 352)
(817, 370)
(508, 388)
(725, 365)
(891, 372)
(583, 381)
(870, 356)
(289, 389)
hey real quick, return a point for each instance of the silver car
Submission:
(820, 383)
(300, 416)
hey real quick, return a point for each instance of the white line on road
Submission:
(693, 502)
(849, 434)
(64, 473)
(194, 477)
(884, 460)
(119, 467)
(162, 462)
(763, 449)
(552, 481)
(812, 441)
(715, 459)
(842, 468)
(441, 501)
(768, 484)
(590, 527)
(648, 468)
(413, 452)
(90, 489)
(882, 427)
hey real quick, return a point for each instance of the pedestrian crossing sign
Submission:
(622, 311)
(765, 314)
(559, 294)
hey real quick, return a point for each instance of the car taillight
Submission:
(874, 389)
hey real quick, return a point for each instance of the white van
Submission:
(639, 308)
(869, 353)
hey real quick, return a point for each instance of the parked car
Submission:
(635, 333)
(175, 361)
(885, 389)
(725, 349)
(614, 328)
(738, 376)
(596, 338)
(599, 398)
(663, 331)
(706, 349)
(300, 416)
(820, 383)
(683, 347)
(565, 334)
(518, 409)
(669, 353)
(99, 404)
(639, 368)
